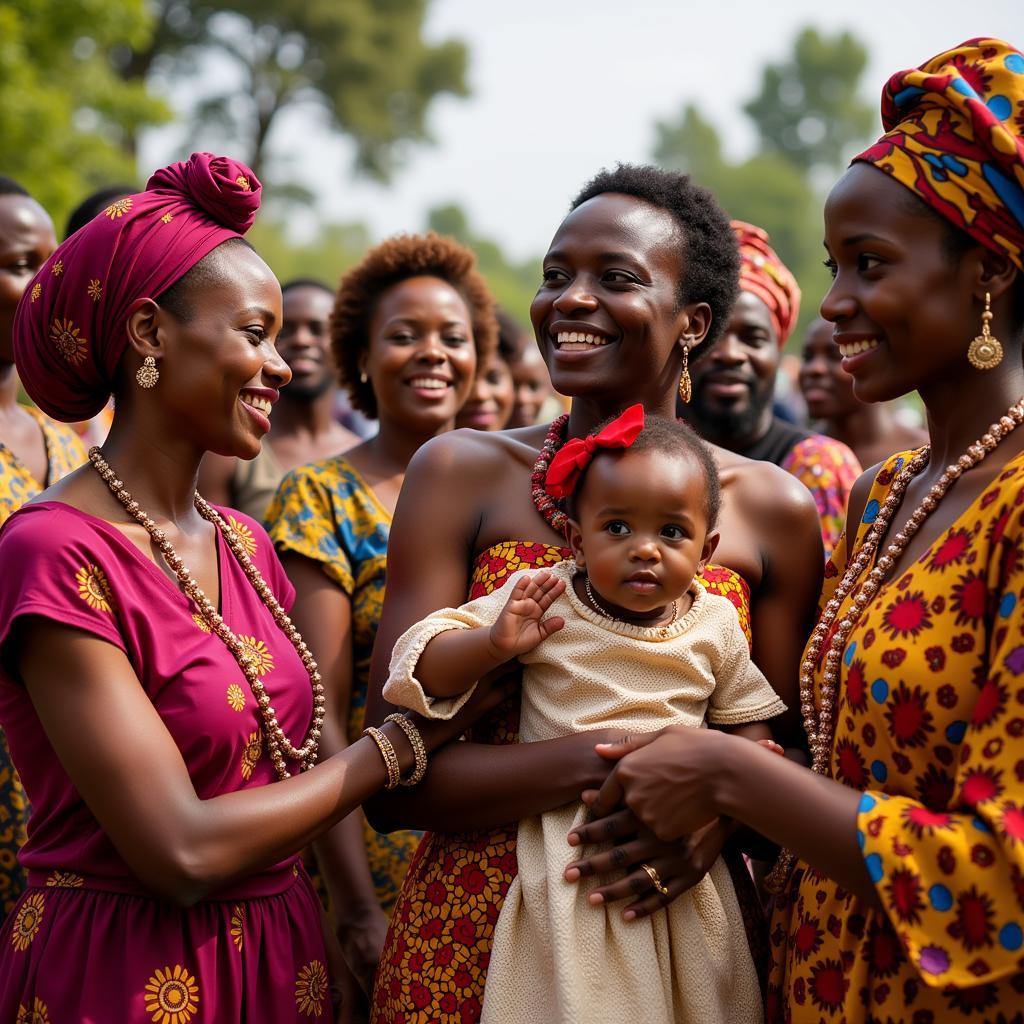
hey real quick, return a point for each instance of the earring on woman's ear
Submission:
(685, 385)
(147, 374)
(985, 352)
(362, 377)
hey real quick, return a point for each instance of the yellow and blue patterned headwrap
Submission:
(954, 135)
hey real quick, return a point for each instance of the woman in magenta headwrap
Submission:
(906, 900)
(160, 706)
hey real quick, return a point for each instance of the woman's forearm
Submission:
(474, 786)
(813, 816)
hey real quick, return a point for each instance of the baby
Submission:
(621, 636)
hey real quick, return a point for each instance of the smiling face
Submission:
(421, 359)
(219, 370)
(491, 398)
(26, 240)
(734, 383)
(640, 529)
(607, 315)
(827, 388)
(904, 311)
(305, 342)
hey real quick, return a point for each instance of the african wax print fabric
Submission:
(954, 136)
(64, 452)
(438, 948)
(252, 952)
(929, 719)
(325, 511)
(763, 274)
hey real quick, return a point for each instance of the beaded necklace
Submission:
(820, 726)
(548, 507)
(278, 745)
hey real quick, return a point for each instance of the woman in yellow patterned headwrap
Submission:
(906, 900)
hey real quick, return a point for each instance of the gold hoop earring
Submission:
(985, 352)
(685, 384)
(147, 374)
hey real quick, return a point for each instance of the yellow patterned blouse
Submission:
(326, 512)
(64, 452)
(929, 728)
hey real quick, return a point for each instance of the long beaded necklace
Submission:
(820, 728)
(278, 745)
(547, 506)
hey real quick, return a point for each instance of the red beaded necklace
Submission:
(551, 510)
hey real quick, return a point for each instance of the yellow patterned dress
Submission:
(326, 512)
(929, 727)
(64, 452)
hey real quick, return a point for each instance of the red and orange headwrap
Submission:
(763, 274)
(69, 330)
(954, 136)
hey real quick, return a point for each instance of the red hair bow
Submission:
(574, 456)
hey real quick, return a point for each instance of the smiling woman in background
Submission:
(411, 323)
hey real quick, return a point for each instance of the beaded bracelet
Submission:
(419, 750)
(387, 751)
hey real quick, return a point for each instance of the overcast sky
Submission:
(564, 87)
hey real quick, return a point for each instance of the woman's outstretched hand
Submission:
(679, 865)
(667, 779)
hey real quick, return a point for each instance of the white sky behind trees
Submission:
(562, 88)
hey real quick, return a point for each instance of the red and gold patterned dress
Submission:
(929, 720)
(438, 947)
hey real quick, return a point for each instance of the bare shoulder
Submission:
(765, 491)
(467, 455)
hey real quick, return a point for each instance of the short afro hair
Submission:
(710, 255)
(10, 187)
(307, 282)
(670, 437)
(393, 261)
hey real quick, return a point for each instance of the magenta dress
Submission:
(86, 942)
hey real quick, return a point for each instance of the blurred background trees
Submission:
(81, 81)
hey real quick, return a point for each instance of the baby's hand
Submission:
(521, 624)
(775, 748)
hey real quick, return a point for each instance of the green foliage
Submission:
(808, 109)
(336, 248)
(815, 88)
(64, 113)
(513, 284)
(363, 62)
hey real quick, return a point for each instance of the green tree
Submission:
(363, 62)
(513, 284)
(809, 109)
(64, 113)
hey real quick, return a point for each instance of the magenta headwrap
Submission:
(70, 327)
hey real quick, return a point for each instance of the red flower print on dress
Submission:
(950, 551)
(1012, 823)
(975, 914)
(850, 765)
(884, 952)
(975, 999)
(807, 938)
(970, 598)
(936, 658)
(894, 657)
(905, 894)
(856, 687)
(921, 820)
(469, 1012)
(464, 931)
(907, 616)
(946, 860)
(909, 719)
(990, 705)
(828, 985)
(934, 788)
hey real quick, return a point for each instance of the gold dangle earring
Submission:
(147, 374)
(685, 385)
(985, 352)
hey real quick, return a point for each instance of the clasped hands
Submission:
(658, 807)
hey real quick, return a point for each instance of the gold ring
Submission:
(655, 879)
